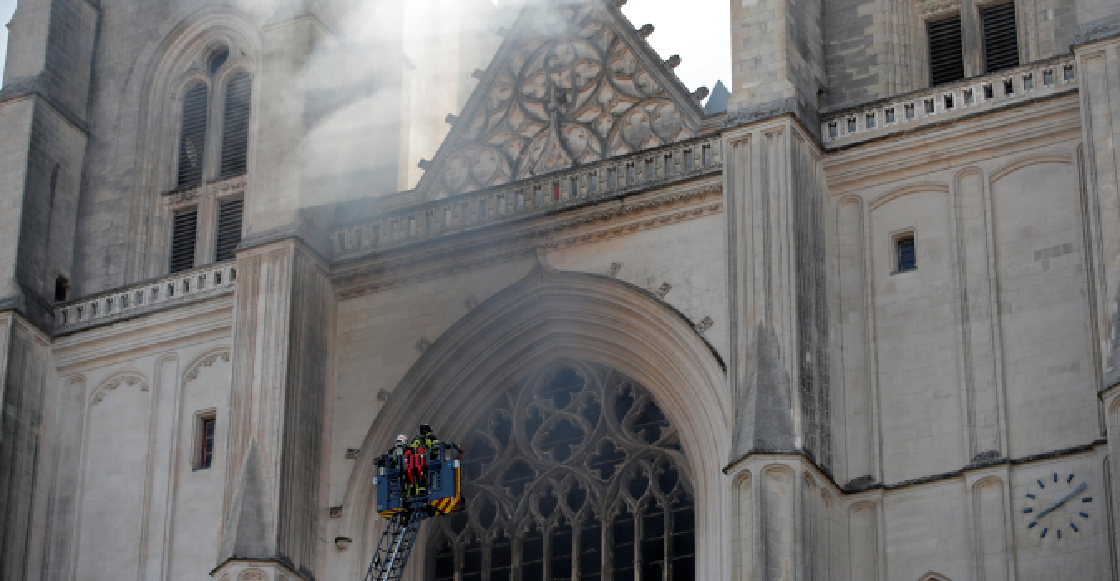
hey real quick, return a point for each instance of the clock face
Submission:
(1057, 505)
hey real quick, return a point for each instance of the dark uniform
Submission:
(416, 460)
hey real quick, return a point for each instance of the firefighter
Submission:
(417, 460)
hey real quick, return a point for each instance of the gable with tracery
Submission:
(572, 84)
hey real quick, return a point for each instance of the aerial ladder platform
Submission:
(416, 480)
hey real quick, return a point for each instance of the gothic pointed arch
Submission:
(586, 326)
(208, 48)
(571, 84)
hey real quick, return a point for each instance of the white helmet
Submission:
(402, 439)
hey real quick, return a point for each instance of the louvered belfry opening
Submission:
(192, 142)
(235, 128)
(946, 52)
(229, 229)
(183, 237)
(1001, 37)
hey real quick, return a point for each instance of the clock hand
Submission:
(1063, 500)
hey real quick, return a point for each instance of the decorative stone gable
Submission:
(572, 84)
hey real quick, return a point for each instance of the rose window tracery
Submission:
(576, 474)
(570, 92)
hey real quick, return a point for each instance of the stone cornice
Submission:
(1097, 30)
(967, 98)
(30, 86)
(404, 221)
(861, 485)
(583, 225)
(184, 324)
(933, 148)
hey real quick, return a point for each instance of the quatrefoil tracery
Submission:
(621, 456)
(562, 99)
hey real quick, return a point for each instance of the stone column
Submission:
(779, 365)
(1098, 70)
(781, 513)
(777, 53)
(774, 189)
(274, 500)
(24, 352)
(43, 121)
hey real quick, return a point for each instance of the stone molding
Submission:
(584, 225)
(222, 189)
(30, 86)
(1020, 128)
(948, 102)
(146, 297)
(571, 84)
(1097, 30)
(933, 8)
(408, 224)
(205, 360)
(127, 378)
(256, 570)
(657, 347)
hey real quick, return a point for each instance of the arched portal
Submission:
(538, 326)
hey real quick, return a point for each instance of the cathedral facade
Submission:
(862, 325)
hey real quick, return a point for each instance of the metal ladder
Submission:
(394, 547)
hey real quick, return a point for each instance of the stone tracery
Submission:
(557, 101)
(574, 472)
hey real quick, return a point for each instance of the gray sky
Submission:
(698, 30)
(7, 7)
(700, 33)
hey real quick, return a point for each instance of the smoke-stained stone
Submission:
(249, 530)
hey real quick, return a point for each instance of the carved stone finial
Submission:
(451, 118)
(699, 94)
(705, 324)
(664, 290)
(645, 30)
(471, 302)
(423, 344)
(424, 164)
(383, 395)
(615, 267)
(478, 74)
(673, 61)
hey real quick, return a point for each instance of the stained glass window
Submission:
(577, 474)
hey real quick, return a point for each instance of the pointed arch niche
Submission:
(195, 130)
(587, 408)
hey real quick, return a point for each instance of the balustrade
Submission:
(136, 299)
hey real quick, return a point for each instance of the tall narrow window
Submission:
(946, 52)
(229, 229)
(1001, 38)
(61, 288)
(183, 237)
(235, 126)
(206, 425)
(907, 256)
(192, 141)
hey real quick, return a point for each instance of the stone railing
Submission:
(137, 299)
(947, 102)
(589, 183)
(221, 188)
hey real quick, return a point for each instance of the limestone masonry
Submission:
(856, 317)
